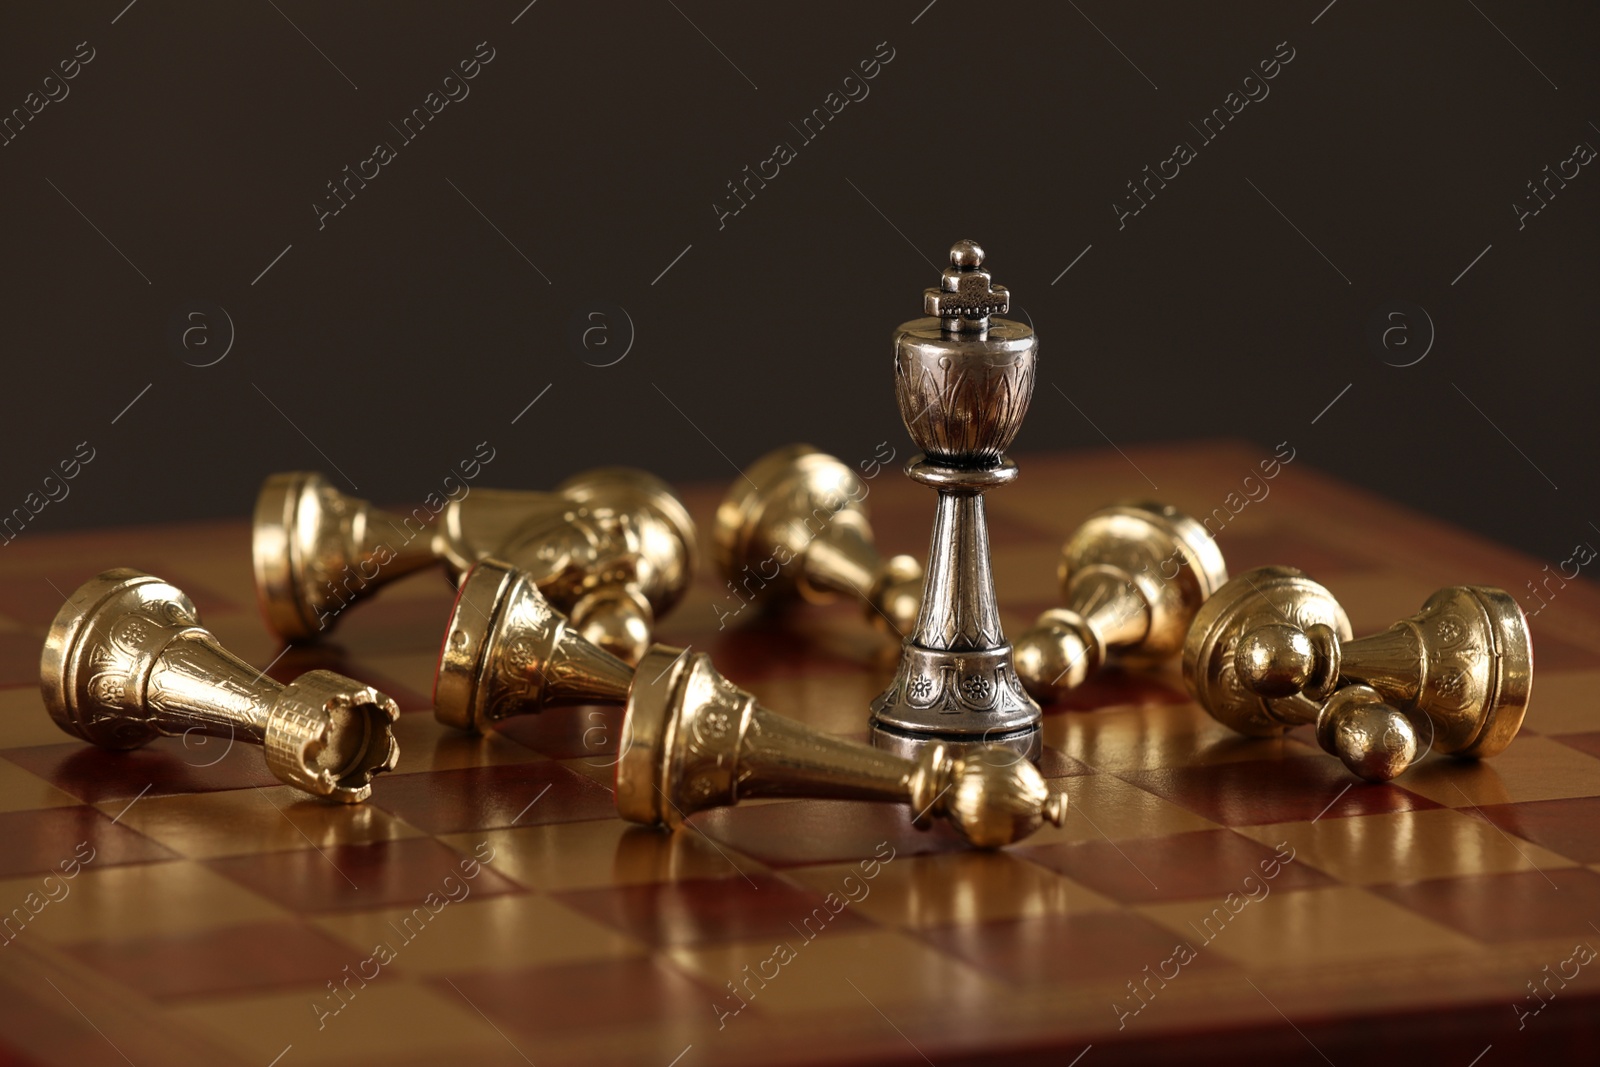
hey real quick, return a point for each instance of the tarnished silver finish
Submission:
(963, 380)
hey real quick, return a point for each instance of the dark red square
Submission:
(701, 911)
(1570, 827)
(36, 842)
(1499, 908)
(381, 875)
(823, 831)
(569, 733)
(1098, 946)
(1287, 789)
(231, 959)
(165, 767)
(1203, 864)
(1113, 687)
(1589, 742)
(487, 798)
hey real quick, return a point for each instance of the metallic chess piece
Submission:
(1132, 576)
(1272, 649)
(127, 660)
(963, 381)
(794, 527)
(691, 740)
(612, 547)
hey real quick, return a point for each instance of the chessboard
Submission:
(1209, 896)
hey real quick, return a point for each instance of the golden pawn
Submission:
(1132, 577)
(1272, 650)
(126, 660)
(612, 547)
(691, 740)
(795, 528)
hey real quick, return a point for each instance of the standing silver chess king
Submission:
(963, 378)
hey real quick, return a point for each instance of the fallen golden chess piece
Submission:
(691, 740)
(127, 660)
(1272, 649)
(1132, 577)
(793, 527)
(613, 547)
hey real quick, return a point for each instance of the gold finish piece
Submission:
(1132, 577)
(1272, 649)
(127, 660)
(613, 547)
(794, 528)
(508, 651)
(691, 740)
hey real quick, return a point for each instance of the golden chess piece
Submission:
(1132, 577)
(794, 527)
(127, 660)
(691, 740)
(614, 548)
(1272, 649)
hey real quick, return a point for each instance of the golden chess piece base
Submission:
(127, 660)
(1272, 649)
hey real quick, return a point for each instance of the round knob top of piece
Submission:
(1275, 661)
(966, 255)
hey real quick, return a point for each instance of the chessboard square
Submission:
(852, 973)
(218, 961)
(1569, 827)
(606, 852)
(830, 696)
(1564, 702)
(238, 821)
(1301, 928)
(951, 888)
(426, 746)
(1115, 688)
(402, 619)
(389, 1020)
(53, 840)
(1102, 948)
(638, 991)
(1293, 789)
(694, 912)
(382, 874)
(1532, 768)
(1502, 908)
(407, 678)
(1557, 654)
(165, 767)
(1103, 807)
(568, 733)
(22, 790)
(1589, 743)
(24, 722)
(1406, 846)
(142, 900)
(487, 798)
(823, 831)
(1054, 764)
(468, 934)
(1206, 864)
(19, 658)
(1265, 544)
(1154, 736)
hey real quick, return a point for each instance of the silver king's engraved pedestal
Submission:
(963, 380)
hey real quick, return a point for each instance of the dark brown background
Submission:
(387, 345)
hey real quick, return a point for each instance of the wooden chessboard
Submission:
(220, 911)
